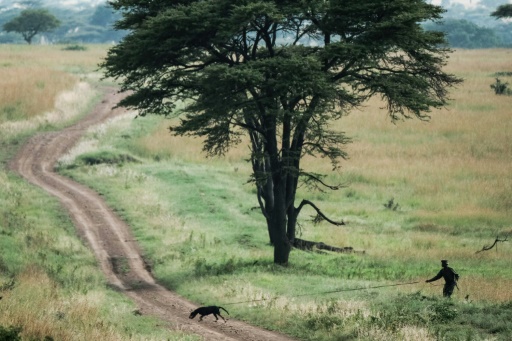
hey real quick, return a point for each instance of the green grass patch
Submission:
(202, 234)
(203, 237)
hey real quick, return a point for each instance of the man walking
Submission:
(450, 278)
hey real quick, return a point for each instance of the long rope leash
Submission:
(330, 292)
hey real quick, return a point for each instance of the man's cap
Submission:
(444, 261)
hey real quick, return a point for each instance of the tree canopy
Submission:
(503, 11)
(278, 72)
(31, 22)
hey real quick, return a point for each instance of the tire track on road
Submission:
(110, 238)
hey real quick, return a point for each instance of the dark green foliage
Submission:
(503, 11)
(74, 47)
(444, 311)
(10, 334)
(500, 88)
(105, 157)
(419, 309)
(317, 322)
(503, 73)
(278, 72)
(202, 267)
(392, 205)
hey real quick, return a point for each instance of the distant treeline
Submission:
(95, 25)
(88, 25)
(462, 33)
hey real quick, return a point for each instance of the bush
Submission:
(10, 334)
(444, 311)
(104, 157)
(74, 47)
(500, 88)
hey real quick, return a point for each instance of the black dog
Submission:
(203, 311)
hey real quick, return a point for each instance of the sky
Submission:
(467, 3)
(76, 2)
(464, 2)
(8, 4)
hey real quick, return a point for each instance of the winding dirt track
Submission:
(110, 238)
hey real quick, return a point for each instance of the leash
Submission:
(435, 285)
(438, 285)
(330, 292)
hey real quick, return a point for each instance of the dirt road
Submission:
(110, 238)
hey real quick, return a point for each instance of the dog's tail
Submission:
(224, 310)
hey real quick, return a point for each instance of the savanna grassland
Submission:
(50, 285)
(416, 193)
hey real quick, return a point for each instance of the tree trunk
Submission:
(278, 227)
(282, 250)
(282, 246)
(292, 222)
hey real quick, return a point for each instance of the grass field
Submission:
(50, 285)
(417, 192)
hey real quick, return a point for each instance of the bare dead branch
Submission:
(319, 212)
(495, 244)
(262, 204)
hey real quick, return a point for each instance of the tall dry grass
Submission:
(457, 163)
(31, 77)
(35, 304)
(66, 105)
(43, 310)
(28, 91)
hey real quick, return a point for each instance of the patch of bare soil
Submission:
(110, 238)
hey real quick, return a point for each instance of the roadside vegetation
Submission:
(50, 286)
(416, 193)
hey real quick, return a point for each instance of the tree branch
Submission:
(317, 179)
(496, 241)
(319, 212)
(262, 204)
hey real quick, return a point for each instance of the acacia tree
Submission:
(31, 22)
(278, 72)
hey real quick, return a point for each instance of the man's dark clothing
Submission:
(450, 279)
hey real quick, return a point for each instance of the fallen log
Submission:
(308, 245)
